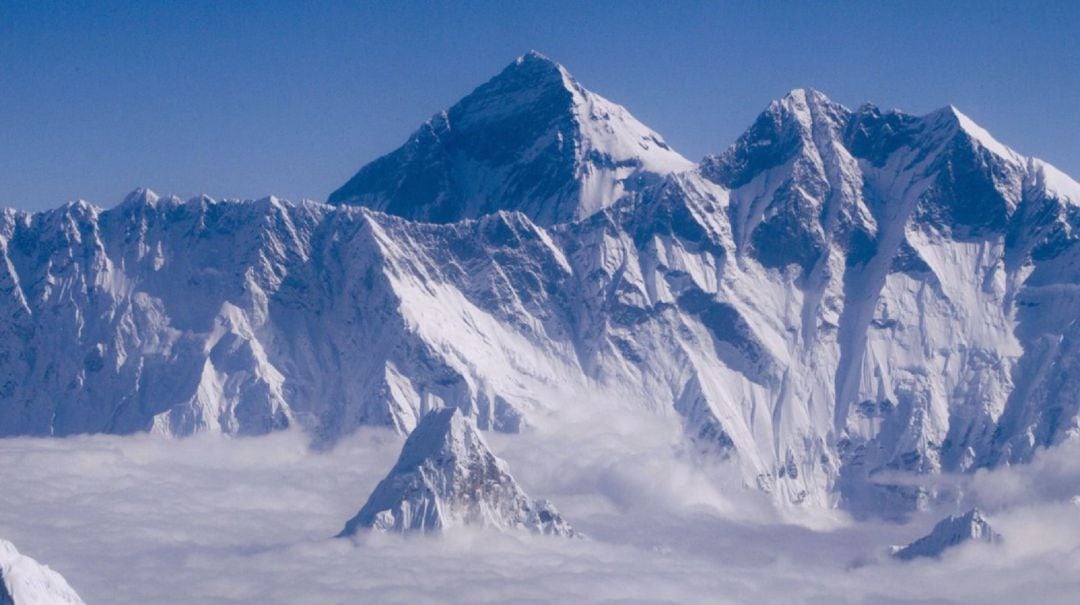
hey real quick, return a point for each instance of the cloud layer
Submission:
(213, 521)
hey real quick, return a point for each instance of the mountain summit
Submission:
(948, 533)
(840, 296)
(447, 476)
(24, 581)
(531, 139)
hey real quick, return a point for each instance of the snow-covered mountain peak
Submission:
(139, 196)
(24, 581)
(804, 122)
(530, 139)
(445, 433)
(533, 69)
(949, 532)
(534, 55)
(807, 108)
(808, 104)
(80, 207)
(839, 294)
(446, 476)
(981, 136)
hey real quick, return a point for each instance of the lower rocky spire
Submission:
(447, 476)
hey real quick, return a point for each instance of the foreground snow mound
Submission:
(445, 477)
(950, 531)
(24, 581)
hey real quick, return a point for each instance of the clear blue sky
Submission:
(249, 99)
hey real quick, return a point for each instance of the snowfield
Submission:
(742, 379)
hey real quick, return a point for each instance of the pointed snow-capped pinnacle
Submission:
(804, 102)
(141, 196)
(531, 139)
(949, 532)
(982, 136)
(788, 126)
(24, 581)
(446, 476)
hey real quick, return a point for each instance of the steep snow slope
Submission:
(244, 317)
(907, 246)
(839, 296)
(24, 581)
(447, 476)
(532, 139)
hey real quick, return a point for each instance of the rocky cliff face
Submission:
(838, 296)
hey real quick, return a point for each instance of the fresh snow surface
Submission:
(24, 581)
(1056, 182)
(447, 476)
(840, 298)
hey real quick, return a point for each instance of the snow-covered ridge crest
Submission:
(983, 137)
(244, 317)
(841, 296)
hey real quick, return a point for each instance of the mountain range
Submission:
(838, 296)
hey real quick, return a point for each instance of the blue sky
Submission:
(249, 99)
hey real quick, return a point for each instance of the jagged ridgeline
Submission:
(837, 294)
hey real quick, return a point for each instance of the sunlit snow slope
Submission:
(838, 296)
(24, 581)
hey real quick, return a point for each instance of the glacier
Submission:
(839, 297)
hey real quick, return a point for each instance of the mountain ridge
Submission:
(839, 296)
